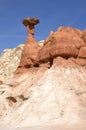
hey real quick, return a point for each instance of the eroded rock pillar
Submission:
(29, 56)
(30, 26)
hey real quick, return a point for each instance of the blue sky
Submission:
(52, 14)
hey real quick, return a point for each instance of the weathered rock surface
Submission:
(49, 97)
(83, 36)
(9, 61)
(49, 85)
(29, 56)
(82, 52)
(66, 43)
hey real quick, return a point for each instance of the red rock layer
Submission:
(67, 43)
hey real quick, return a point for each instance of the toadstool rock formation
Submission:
(29, 23)
(29, 56)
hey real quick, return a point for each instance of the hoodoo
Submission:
(30, 25)
(30, 51)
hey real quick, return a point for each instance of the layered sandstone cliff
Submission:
(49, 82)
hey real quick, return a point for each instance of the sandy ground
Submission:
(58, 127)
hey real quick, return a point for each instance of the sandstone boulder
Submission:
(53, 51)
(73, 31)
(64, 50)
(66, 43)
(29, 55)
(83, 36)
(79, 61)
(67, 35)
(82, 53)
(59, 61)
